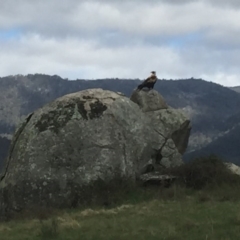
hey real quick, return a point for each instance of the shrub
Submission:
(205, 171)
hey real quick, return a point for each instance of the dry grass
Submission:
(187, 218)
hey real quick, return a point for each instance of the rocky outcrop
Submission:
(170, 123)
(148, 100)
(85, 137)
(156, 178)
(235, 169)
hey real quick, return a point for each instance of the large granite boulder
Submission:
(74, 141)
(81, 138)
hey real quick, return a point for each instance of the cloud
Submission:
(51, 55)
(97, 39)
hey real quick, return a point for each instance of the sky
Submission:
(87, 39)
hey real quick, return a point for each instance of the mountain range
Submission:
(213, 109)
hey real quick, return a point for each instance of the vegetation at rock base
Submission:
(209, 208)
(205, 172)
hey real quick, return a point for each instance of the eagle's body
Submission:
(149, 82)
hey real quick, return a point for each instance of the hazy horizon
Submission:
(114, 78)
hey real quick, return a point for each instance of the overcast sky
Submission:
(122, 39)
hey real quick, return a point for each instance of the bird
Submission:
(149, 82)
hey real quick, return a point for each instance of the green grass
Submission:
(203, 204)
(174, 213)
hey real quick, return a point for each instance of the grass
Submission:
(174, 213)
(203, 204)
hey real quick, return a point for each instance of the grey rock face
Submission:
(148, 100)
(156, 178)
(169, 123)
(81, 138)
(175, 127)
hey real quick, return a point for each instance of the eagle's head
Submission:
(153, 72)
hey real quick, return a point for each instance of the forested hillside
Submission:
(212, 108)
